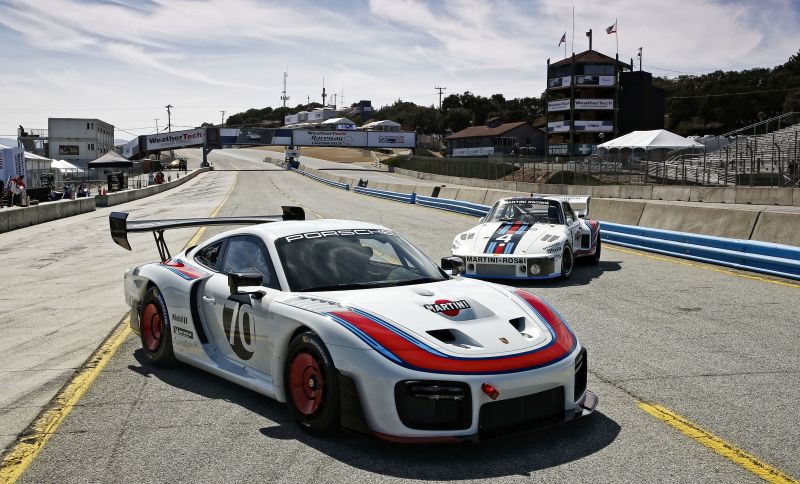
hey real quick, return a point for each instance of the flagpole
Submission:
(573, 28)
(616, 34)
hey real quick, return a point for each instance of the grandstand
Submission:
(765, 153)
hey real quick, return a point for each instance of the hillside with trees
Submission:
(711, 103)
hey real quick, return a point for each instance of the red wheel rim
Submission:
(306, 384)
(152, 326)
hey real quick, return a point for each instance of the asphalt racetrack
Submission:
(667, 339)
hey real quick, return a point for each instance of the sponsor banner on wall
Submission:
(595, 126)
(594, 80)
(585, 149)
(130, 148)
(329, 138)
(559, 105)
(558, 126)
(176, 139)
(594, 104)
(481, 151)
(558, 149)
(12, 163)
(557, 82)
(69, 150)
(282, 137)
(396, 139)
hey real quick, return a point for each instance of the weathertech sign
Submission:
(176, 139)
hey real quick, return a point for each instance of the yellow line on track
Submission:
(42, 429)
(31, 442)
(730, 452)
(699, 265)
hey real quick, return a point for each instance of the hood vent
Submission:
(454, 337)
(519, 324)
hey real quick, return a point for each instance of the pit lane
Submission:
(712, 346)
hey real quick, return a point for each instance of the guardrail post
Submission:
(413, 198)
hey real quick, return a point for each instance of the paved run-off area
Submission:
(717, 347)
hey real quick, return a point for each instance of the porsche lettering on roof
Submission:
(337, 233)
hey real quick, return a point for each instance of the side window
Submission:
(569, 214)
(209, 256)
(248, 254)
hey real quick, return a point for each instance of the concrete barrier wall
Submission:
(451, 193)
(639, 192)
(473, 196)
(616, 211)
(712, 194)
(778, 227)
(796, 197)
(13, 218)
(720, 222)
(424, 191)
(116, 198)
(764, 196)
(671, 193)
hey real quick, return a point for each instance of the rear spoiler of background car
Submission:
(578, 203)
(120, 225)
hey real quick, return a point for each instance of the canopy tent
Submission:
(339, 123)
(650, 140)
(382, 125)
(111, 160)
(64, 165)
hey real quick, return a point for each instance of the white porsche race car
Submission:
(537, 237)
(354, 327)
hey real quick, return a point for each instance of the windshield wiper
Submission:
(421, 280)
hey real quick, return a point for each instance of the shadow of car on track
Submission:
(517, 455)
(582, 275)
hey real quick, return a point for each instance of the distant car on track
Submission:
(536, 237)
(352, 326)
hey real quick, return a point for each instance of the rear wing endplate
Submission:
(579, 203)
(120, 226)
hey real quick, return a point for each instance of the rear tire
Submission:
(567, 262)
(595, 258)
(155, 329)
(311, 385)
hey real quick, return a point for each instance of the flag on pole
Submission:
(612, 29)
(563, 39)
(640, 52)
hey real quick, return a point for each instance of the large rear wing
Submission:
(120, 226)
(579, 203)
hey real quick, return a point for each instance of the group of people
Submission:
(16, 191)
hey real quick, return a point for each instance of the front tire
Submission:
(311, 385)
(155, 329)
(567, 262)
(595, 259)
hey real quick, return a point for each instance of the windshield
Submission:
(528, 211)
(353, 259)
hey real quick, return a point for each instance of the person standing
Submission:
(18, 191)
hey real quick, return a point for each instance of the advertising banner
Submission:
(130, 148)
(12, 163)
(557, 82)
(595, 126)
(69, 150)
(559, 105)
(482, 151)
(397, 139)
(594, 80)
(585, 149)
(330, 138)
(176, 139)
(558, 127)
(558, 149)
(594, 104)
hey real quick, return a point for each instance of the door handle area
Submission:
(209, 299)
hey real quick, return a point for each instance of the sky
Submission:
(123, 61)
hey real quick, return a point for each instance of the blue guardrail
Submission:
(396, 196)
(343, 186)
(468, 208)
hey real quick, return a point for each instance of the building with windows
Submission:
(79, 140)
(495, 138)
(592, 98)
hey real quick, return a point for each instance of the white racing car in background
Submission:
(536, 237)
(352, 326)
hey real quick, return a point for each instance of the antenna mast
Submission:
(284, 97)
(323, 91)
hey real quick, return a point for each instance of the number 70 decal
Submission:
(238, 323)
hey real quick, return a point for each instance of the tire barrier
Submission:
(396, 196)
(343, 186)
(775, 259)
(764, 257)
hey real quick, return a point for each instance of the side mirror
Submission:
(237, 279)
(453, 265)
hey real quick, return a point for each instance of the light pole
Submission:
(156, 125)
(222, 123)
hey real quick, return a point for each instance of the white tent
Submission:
(650, 140)
(64, 165)
(383, 125)
(339, 123)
